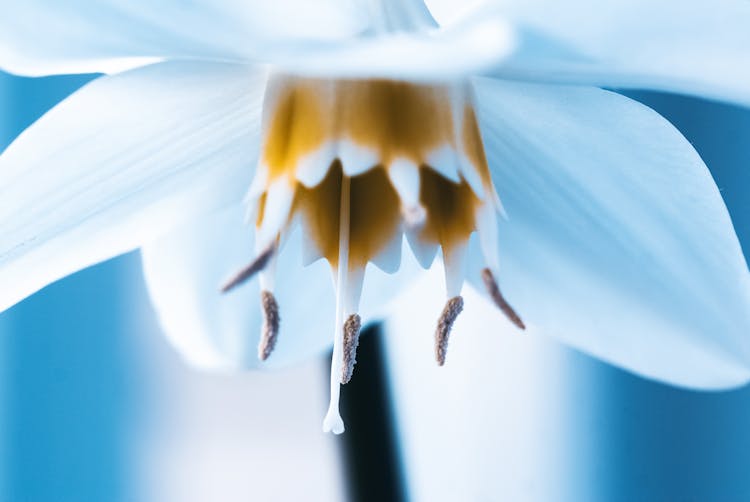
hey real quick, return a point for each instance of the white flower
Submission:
(617, 240)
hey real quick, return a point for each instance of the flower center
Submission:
(360, 165)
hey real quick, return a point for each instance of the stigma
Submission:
(359, 165)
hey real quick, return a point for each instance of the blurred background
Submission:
(94, 405)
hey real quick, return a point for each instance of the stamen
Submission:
(351, 342)
(271, 320)
(245, 274)
(491, 284)
(453, 307)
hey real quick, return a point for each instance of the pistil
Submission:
(333, 422)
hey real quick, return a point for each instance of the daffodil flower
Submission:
(581, 213)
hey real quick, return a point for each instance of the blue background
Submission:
(69, 370)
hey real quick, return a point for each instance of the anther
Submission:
(453, 307)
(246, 273)
(270, 330)
(351, 341)
(491, 284)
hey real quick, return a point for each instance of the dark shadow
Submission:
(370, 446)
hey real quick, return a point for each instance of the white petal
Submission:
(40, 37)
(356, 159)
(389, 259)
(618, 241)
(444, 160)
(691, 46)
(185, 268)
(473, 46)
(320, 38)
(122, 160)
(313, 167)
(424, 252)
(404, 175)
(404, 15)
(276, 212)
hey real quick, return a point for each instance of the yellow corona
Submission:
(361, 164)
